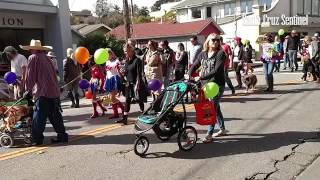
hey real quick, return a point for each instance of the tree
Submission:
(143, 11)
(116, 8)
(157, 5)
(96, 41)
(141, 19)
(102, 8)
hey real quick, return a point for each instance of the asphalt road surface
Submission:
(271, 136)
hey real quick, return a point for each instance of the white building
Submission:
(21, 21)
(164, 8)
(261, 16)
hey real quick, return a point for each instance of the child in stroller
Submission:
(164, 121)
(16, 121)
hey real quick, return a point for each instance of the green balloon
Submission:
(211, 90)
(281, 32)
(58, 78)
(101, 56)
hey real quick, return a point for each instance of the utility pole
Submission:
(126, 19)
(132, 12)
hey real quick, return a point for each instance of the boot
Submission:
(239, 82)
(124, 120)
(102, 107)
(120, 105)
(95, 112)
(115, 111)
(70, 95)
(271, 85)
(268, 84)
(77, 101)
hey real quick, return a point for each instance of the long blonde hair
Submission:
(206, 43)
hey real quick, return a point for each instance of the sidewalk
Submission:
(312, 172)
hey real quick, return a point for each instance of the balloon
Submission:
(88, 95)
(211, 90)
(82, 55)
(10, 77)
(281, 32)
(84, 84)
(58, 78)
(243, 41)
(154, 84)
(101, 56)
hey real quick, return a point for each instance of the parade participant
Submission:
(138, 51)
(315, 44)
(71, 77)
(195, 50)
(278, 46)
(95, 83)
(292, 49)
(168, 59)
(268, 59)
(285, 53)
(135, 87)
(53, 58)
(41, 77)
(153, 65)
(212, 60)
(181, 62)
(306, 54)
(113, 83)
(228, 52)
(238, 60)
(18, 66)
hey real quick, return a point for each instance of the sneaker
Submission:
(221, 132)
(233, 92)
(207, 139)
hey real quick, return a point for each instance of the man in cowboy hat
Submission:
(41, 77)
(18, 66)
(71, 76)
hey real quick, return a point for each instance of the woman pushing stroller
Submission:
(212, 61)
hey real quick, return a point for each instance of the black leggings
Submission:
(128, 104)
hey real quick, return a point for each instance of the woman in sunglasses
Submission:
(212, 59)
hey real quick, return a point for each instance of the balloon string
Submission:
(78, 77)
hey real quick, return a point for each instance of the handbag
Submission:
(205, 111)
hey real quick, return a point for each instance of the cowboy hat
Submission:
(35, 45)
(51, 54)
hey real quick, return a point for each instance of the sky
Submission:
(78, 5)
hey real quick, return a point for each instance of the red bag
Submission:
(205, 111)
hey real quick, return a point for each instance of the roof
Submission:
(158, 30)
(81, 13)
(85, 29)
(193, 3)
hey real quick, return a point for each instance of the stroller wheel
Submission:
(187, 138)
(141, 146)
(6, 141)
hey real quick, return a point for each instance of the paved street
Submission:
(271, 136)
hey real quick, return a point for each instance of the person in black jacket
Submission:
(238, 60)
(292, 48)
(212, 60)
(135, 87)
(181, 62)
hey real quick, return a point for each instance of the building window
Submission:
(209, 15)
(307, 7)
(300, 7)
(246, 6)
(315, 7)
(265, 3)
(229, 8)
(196, 13)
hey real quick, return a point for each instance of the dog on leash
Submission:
(250, 81)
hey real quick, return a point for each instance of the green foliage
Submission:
(143, 11)
(96, 41)
(102, 8)
(141, 19)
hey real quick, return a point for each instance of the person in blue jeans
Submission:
(269, 56)
(212, 60)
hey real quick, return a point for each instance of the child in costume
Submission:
(97, 78)
(113, 83)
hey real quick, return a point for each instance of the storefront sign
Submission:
(10, 20)
(283, 20)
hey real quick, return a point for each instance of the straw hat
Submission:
(51, 54)
(36, 45)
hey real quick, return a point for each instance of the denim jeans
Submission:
(47, 108)
(286, 60)
(228, 80)
(268, 73)
(293, 59)
(220, 119)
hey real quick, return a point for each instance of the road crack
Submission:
(266, 175)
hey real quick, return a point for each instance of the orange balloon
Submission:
(82, 55)
(88, 95)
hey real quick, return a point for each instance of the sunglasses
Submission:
(215, 40)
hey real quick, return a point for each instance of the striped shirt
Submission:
(41, 77)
